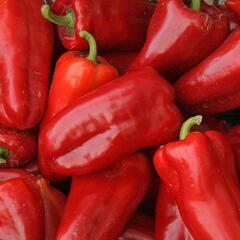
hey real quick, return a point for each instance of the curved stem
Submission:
(3, 154)
(92, 45)
(187, 125)
(195, 5)
(68, 20)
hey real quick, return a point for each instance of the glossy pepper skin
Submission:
(201, 169)
(206, 88)
(17, 147)
(179, 38)
(74, 76)
(26, 49)
(233, 5)
(100, 204)
(49, 203)
(110, 123)
(22, 211)
(126, 30)
(169, 223)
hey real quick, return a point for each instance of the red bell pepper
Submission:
(32, 167)
(74, 76)
(179, 38)
(17, 148)
(169, 223)
(22, 211)
(116, 24)
(132, 112)
(200, 172)
(206, 88)
(48, 204)
(233, 5)
(121, 60)
(100, 204)
(26, 48)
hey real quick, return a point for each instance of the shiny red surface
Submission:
(25, 57)
(100, 204)
(130, 113)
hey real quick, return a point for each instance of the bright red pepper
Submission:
(22, 211)
(233, 5)
(26, 48)
(121, 60)
(116, 24)
(200, 172)
(74, 76)
(132, 112)
(179, 38)
(17, 148)
(49, 203)
(100, 204)
(169, 223)
(206, 88)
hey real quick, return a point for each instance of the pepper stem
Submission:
(3, 154)
(92, 45)
(195, 5)
(187, 125)
(68, 20)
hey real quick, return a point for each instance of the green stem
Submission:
(92, 45)
(68, 20)
(187, 125)
(3, 154)
(195, 5)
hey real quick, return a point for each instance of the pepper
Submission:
(179, 37)
(233, 5)
(74, 76)
(200, 172)
(17, 148)
(119, 118)
(169, 223)
(100, 204)
(26, 48)
(44, 207)
(116, 24)
(121, 60)
(206, 88)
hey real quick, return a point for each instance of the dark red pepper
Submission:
(100, 204)
(116, 24)
(132, 112)
(233, 5)
(17, 148)
(213, 85)
(179, 38)
(26, 48)
(200, 172)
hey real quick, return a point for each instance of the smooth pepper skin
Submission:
(206, 88)
(130, 113)
(22, 211)
(200, 172)
(100, 204)
(169, 223)
(179, 38)
(116, 24)
(233, 5)
(75, 75)
(25, 56)
(21, 147)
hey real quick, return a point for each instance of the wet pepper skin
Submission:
(213, 86)
(100, 204)
(116, 24)
(130, 113)
(21, 146)
(25, 56)
(178, 37)
(200, 172)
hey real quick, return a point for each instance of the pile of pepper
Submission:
(119, 120)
